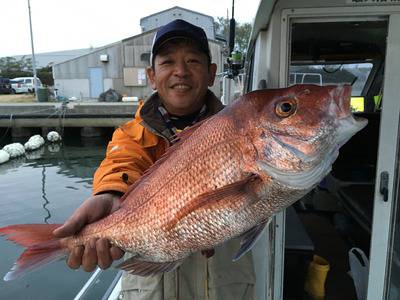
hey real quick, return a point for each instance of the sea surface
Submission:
(46, 186)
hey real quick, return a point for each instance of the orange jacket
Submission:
(135, 146)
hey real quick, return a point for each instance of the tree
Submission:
(11, 67)
(45, 75)
(242, 33)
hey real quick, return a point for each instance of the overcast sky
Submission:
(74, 24)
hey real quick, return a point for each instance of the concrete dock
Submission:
(66, 114)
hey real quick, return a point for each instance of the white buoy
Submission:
(34, 142)
(14, 149)
(4, 156)
(53, 136)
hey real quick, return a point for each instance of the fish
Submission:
(224, 177)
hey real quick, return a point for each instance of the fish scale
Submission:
(176, 196)
(225, 177)
(194, 174)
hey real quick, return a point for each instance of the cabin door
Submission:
(383, 278)
(384, 273)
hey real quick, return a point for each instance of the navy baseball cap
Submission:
(180, 29)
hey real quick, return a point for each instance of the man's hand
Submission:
(96, 252)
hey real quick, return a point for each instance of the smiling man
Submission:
(180, 73)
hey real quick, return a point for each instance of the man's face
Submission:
(181, 75)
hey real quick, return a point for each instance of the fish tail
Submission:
(41, 247)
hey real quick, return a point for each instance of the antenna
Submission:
(232, 25)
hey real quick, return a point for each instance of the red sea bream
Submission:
(224, 178)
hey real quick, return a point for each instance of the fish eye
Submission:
(286, 108)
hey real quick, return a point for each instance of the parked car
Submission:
(24, 85)
(5, 86)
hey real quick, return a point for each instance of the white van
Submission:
(24, 84)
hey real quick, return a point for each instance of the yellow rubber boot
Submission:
(316, 276)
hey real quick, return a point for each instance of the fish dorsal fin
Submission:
(249, 239)
(236, 189)
(139, 267)
(177, 141)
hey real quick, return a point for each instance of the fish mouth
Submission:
(349, 126)
(307, 179)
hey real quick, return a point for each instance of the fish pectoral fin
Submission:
(139, 267)
(249, 239)
(236, 189)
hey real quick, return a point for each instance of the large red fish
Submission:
(225, 177)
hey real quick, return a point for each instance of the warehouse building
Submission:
(121, 65)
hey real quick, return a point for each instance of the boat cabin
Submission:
(351, 218)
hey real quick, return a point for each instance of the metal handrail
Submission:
(112, 286)
(88, 284)
(92, 280)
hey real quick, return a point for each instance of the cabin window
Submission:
(355, 74)
(320, 56)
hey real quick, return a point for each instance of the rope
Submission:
(60, 111)
(8, 128)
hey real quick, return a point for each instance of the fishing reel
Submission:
(235, 64)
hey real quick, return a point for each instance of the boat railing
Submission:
(112, 291)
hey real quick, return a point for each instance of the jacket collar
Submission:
(153, 121)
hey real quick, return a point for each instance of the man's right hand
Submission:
(95, 252)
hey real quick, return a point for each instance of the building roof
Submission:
(216, 41)
(175, 7)
(49, 58)
(94, 50)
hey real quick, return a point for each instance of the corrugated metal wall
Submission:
(71, 78)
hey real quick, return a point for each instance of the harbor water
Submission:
(46, 186)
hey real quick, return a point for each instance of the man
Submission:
(181, 72)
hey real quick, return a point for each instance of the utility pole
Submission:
(33, 54)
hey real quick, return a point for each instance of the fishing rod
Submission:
(235, 59)
(234, 64)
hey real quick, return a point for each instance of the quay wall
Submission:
(66, 114)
